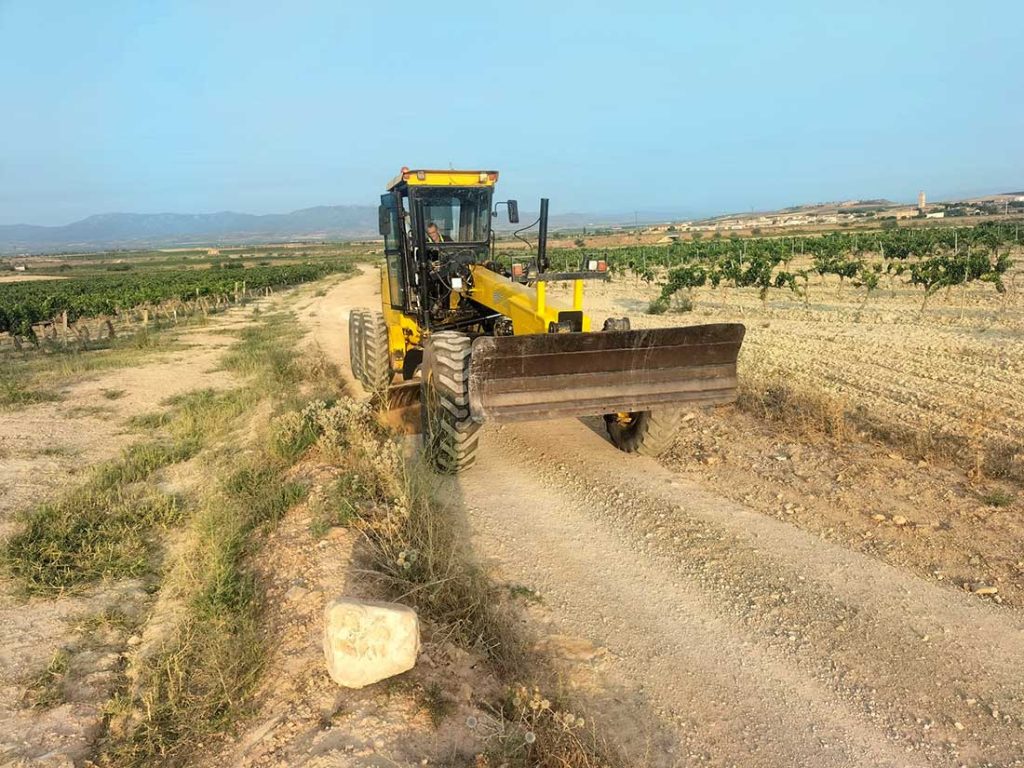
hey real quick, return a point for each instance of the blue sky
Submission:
(694, 107)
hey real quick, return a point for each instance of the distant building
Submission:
(921, 201)
(936, 215)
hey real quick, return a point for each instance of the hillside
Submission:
(145, 229)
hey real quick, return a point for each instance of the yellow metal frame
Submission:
(403, 331)
(443, 178)
(528, 308)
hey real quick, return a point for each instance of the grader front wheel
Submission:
(449, 434)
(650, 433)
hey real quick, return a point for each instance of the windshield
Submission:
(456, 215)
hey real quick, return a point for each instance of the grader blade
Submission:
(543, 376)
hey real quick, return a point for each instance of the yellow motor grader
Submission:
(475, 340)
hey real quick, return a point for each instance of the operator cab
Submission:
(435, 224)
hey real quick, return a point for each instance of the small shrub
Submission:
(682, 302)
(658, 306)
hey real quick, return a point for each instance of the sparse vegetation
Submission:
(437, 704)
(100, 530)
(201, 679)
(16, 393)
(998, 498)
(46, 689)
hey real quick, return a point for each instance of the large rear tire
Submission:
(650, 433)
(377, 372)
(449, 433)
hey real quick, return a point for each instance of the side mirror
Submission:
(513, 211)
(383, 220)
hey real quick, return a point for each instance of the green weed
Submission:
(92, 533)
(998, 498)
(46, 690)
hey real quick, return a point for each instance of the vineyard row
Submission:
(26, 305)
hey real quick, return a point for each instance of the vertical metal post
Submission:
(577, 295)
(419, 237)
(542, 237)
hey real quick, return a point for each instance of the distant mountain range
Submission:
(139, 230)
(150, 230)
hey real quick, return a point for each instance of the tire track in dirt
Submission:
(763, 644)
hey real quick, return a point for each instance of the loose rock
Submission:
(366, 641)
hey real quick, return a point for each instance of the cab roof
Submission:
(437, 178)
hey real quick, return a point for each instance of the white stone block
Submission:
(366, 640)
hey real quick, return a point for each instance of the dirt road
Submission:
(756, 642)
(714, 634)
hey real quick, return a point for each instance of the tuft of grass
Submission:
(998, 498)
(207, 413)
(292, 435)
(15, 393)
(46, 690)
(258, 486)
(802, 410)
(267, 351)
(437, 704)
(149, 421)
(139, 461)
(113, 394)
(111, 618)
(88, 411)
(523, 592)
(57, 451)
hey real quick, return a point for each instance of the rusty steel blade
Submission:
(543, 376)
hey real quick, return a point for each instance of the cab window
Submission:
(392, 250)
(460, 215)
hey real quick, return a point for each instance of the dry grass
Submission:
(802, 410)
(810, 412)
(46, 689)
